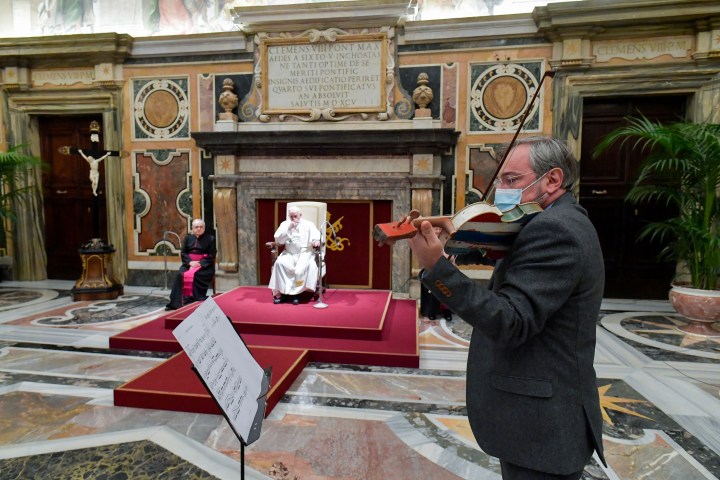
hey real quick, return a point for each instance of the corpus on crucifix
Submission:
(93, 157)
(96, 282)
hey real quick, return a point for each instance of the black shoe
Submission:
(431, 317)
(448, 317)
(169, 307)
(277, 300)
(296, 300)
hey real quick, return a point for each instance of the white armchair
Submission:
(315, 212)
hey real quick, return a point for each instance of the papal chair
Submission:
(315, 212)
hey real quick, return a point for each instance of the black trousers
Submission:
(516, 472)
(431, 307)
(201, 284)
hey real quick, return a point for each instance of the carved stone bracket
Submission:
(224, 203)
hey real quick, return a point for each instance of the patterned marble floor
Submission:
(659, 388)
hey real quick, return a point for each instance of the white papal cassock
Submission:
(295, 269)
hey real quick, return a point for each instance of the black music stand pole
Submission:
(257, 421)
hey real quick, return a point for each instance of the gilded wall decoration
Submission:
(161, 108)
(334, 241)
(499, 95)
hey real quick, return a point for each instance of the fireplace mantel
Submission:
(328, 142)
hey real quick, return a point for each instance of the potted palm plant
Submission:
(14, 165)
(682, 169)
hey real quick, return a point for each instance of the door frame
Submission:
(571, 86)
(23, 109)
(604, 186)
(67, 190)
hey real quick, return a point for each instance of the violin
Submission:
(478, 226)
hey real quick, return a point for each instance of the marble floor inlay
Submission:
(659, 391)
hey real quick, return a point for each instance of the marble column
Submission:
(29, 256)
(115, 194)
(225, 205)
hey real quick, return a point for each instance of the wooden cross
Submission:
(93, 157)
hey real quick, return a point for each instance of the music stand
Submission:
(227, 370)
(257, 421)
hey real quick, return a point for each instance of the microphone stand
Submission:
(165, 240)
(318, 257)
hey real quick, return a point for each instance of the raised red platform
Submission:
(359, 327)
(174, 384)
(248, 310)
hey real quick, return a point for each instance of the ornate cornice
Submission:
(320, 15)
(630, 17)
(209, 44)
(324, 143)
(65, 50)
(463, 29)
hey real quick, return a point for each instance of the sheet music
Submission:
(221, 358)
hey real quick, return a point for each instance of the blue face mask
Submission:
(508, 198)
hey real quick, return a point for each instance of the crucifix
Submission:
(93, 157)
(96, 281)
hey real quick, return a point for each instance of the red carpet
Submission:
(173, 385)
(350, 314)
(363, 327)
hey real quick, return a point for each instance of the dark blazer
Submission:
(532, 394)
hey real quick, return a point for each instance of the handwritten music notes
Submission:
(224, 362)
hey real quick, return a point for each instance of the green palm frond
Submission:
(682, 169)
(14, 168)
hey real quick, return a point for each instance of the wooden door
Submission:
(67, 191)
(632, 269)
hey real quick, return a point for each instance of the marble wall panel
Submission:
(449, 95)
(161, 108)
(500, 94)
(162, 199)
(206, 99)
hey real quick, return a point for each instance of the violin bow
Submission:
(491, 186)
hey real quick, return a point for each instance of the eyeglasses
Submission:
(509, 180)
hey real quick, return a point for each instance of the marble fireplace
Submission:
(399, 164)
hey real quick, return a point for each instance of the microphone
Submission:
(334, 233)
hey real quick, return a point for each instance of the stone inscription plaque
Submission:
(62, 77)
(676, 47)
(342, 76)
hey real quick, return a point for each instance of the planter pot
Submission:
(701, 308)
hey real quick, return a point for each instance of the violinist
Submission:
(532, 396)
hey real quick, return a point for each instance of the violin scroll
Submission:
(407, 227)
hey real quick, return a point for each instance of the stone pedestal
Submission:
(96, 281)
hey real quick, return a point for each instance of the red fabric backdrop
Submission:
(358, 262)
